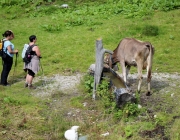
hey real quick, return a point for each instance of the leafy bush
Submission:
(10, 100)
(4, 3)
(51, 28)
(82, 13)
(104, 93)
(47, 9)
(88, 83)
(77, 21)
(128, 131)
(129, 110)
(163, 5)
(107, 99)
(131, 8)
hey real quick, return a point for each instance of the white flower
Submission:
(139, 106)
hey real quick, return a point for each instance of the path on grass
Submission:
(160, 81)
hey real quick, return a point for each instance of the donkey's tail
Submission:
(149, 61)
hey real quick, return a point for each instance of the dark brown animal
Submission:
(132, 52)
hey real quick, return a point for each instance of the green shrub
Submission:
(10, 100)
(107, 99)
(51, 28)
(47, 9)
(128, 131)
(88, 83)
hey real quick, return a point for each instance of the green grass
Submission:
(63, 50)
(67, 39)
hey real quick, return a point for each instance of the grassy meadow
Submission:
(66, 38)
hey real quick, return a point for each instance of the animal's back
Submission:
(128, 49)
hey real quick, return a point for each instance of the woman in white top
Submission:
(32, 67)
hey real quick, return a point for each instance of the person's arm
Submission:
(36, 49)
(11, 51)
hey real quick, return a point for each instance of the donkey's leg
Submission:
(127, 72)
(148, 80)
(124, 72)
(139, 67)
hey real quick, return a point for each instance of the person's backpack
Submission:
(27, 53)
(2, 53)
(24, 50)
(1, 47)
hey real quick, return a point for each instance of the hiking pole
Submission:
(14, 67)
(42, 71)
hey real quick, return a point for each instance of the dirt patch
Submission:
(160, 82)
(62, 83)
(158, 131)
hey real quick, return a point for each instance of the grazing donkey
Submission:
(132, 52)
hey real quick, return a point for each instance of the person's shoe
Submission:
(25, 85)
(31, 87)
(7, 84)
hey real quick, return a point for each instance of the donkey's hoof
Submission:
(148, 93)
(138, 91)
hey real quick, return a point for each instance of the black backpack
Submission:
(28, 55)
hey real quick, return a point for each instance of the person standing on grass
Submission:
(9, 51)
(32, 67)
